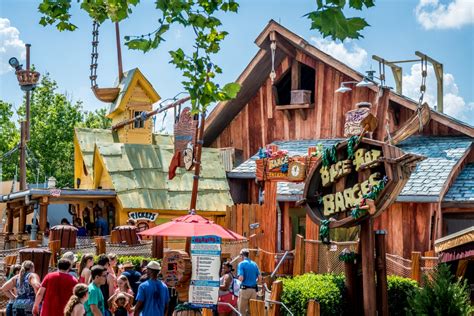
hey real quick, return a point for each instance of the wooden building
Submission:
(123, 174)
(262, 114)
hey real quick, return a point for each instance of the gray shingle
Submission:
(427, 180)
(463, 187)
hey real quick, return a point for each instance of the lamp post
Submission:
(27, 80)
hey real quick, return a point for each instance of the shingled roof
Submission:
(139, 173)
(424, 184)
(462, 189)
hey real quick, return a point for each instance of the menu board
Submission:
(206, 264)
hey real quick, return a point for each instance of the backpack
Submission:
(235, 286)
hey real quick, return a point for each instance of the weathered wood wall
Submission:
(260, 122)
(408, 227)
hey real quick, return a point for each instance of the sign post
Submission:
(206, 265)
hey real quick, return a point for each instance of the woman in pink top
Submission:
(84, 272)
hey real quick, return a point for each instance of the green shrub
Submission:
(442, 296)
(399, 290)
(136, 260)
(327, 289)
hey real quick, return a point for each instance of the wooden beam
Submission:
(396, 71)
(22, 220)
(277, 290)
(295, 75)
(313, 308)
(298, 263)
(381, 268)
(382, 109)
(368, 269)
(416, 266)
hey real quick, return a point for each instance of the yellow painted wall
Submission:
(79, 168)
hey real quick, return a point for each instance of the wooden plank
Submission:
(277, 290)
(295, 75)
(257, 307)
(336, 107)
(270, 217)
(287, 227)
(269, 102)
(408, 227)
(263, 129)
(327, 103)
(366, 236)
(381, 114)
(247, 153)
(319, 89)
(396, 226)
(416, 266)
(299, 261)
(245, 217)
(313, 308)
(381, 268)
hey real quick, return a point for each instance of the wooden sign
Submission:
(342, 184)
(184, 132)
(353, 124)
(281, 167)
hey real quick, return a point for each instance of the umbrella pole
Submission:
(197, 161)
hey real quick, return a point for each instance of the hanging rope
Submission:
(94, 54)
(424, 74)
(273, 50)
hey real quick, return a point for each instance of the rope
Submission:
(273, 49)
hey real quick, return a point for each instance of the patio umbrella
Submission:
(189, 226)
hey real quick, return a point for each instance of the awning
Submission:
(465, 251)
(459, 245)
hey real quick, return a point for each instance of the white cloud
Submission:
(432, 14)
(454, 105)
(10, 45)
(348, 52)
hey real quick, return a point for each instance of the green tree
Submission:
(442, 295)
(51, 148)
(9, 137)
(197, 66)
(96, 119)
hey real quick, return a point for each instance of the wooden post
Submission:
(381, 268)
(100, 247)
(368, 271)
(257, 308)
(10, 211)
(382, 108)
(298, 263)
(277, 289)
(54, 247)
(350, 271)
(313, 308)
(206, 312)
(415, 266)
(269, 220)
(43, 216)
(157, 247)
(22, 220)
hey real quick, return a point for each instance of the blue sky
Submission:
(442, 29)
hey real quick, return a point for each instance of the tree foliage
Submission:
(442, 295)
(51, 148)
(197, 66)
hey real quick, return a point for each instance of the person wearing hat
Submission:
(248, 274)
(153, 296)
(55, 291)
(69, 255)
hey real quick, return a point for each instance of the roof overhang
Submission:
(63, 194)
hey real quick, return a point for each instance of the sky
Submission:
(442, 29)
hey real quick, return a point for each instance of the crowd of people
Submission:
(104, 288)
(99, 288)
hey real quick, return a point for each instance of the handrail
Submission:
(230, 305)
(279, 264)
(280, 303)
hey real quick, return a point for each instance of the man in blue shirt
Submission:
(248, 274)
(153, 296)
(102, 226)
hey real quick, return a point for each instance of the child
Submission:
(120, 304)
(75, 306)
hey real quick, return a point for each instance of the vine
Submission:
(324, 232)
(347, 256)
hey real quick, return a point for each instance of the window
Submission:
(138, 123)
(305, 81)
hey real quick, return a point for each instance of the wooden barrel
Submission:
(66, 234)
(125, 234)
(40, 258)
(176, 271)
